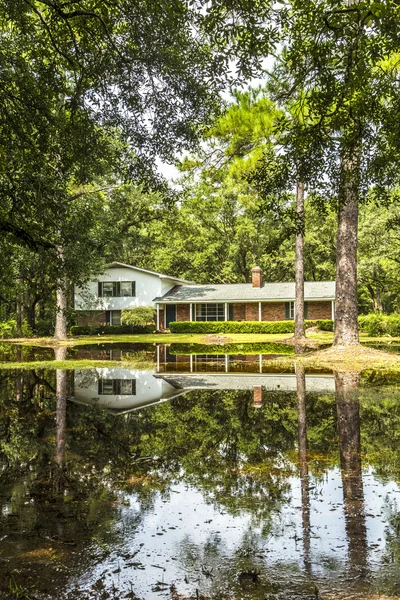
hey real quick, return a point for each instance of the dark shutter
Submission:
(116, 289)
(287, 310)
(100, 289)
(230, 312)
(108, 317)
(133, 288)
(306, 310)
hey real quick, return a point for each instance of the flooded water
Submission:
(199, 476)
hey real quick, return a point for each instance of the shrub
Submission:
(138, 316)
(232, 327)
(380, 324)
(109, 329)
(243, 326)
(8, 329)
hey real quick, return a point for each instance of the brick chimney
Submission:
(256, 277)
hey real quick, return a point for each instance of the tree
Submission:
(337, 61)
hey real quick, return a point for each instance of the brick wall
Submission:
(251, 311)
(320, 310)
(183, 312)
(273, 311)
(239, 312)
(91, 317)
(161, 316)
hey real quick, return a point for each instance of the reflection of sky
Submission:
(184, 534)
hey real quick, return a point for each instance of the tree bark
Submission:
(299, 332)
(346, 323)
(60, 331)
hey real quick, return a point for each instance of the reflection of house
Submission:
(273, 382)
(120, 390)
(124, 286)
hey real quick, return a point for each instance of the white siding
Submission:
(148, 286)
(148, 388)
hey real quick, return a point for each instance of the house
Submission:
(124, 286)
(120, 286)
(255, 301)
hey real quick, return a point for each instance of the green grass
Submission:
(144, 338)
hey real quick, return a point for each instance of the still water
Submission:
(197, 477)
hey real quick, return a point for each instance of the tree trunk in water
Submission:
(299, 332)
(303, 464)
(60, 332)
(348, 410)
(61, 411)
(346, 324)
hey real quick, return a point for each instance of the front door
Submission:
(170, 314)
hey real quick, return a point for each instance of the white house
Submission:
(120, 286)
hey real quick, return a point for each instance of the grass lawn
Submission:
(160, 338)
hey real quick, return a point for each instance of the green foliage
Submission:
(260, 348)
(243, 326)
(8, 329)
(138, 316)
(380, 324)
(109, 329)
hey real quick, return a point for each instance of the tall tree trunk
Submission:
(303, 464)
(348, 410)
(60, 331)
(299, 332)
(346, 324)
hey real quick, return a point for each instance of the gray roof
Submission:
(243, 292)
(160, 275)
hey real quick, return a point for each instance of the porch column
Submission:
(259, 312)
(191, 362)
(260, 362)
(191, 312)
(158, 316)
(226, 311)
(333, 310)
(226, 363)
(158, 358)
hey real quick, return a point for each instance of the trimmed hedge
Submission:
(110, 329)
(243, 326)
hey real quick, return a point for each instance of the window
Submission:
(116, 289)
(210, 312)
(117, 387)
(289, 310)
(115, 317)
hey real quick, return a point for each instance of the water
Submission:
(197, 477)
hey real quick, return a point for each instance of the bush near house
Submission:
(244, 326)
(138, 316)
(380, 324)
(109, 329)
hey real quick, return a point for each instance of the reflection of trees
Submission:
(348, 409)
(303, 462)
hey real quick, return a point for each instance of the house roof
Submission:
(160, 275)
(243, 292)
